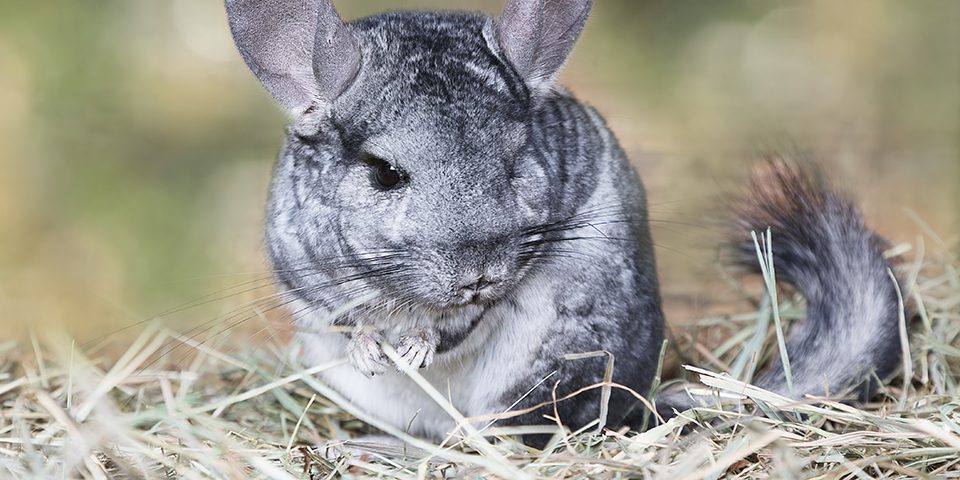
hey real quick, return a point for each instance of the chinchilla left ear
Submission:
(536, 36)
(300, 50)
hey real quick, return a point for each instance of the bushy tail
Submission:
(822, 247)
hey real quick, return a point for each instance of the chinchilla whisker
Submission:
(528, 260)
(405, 298)
(572, 220)
(405, 305)
(231, 326)
(673, 249)
(208, 299)
(373, 274)
(612, 218)
(398, 307)
(248, 305)
(253, 285)
(253, 303)
(394, 295)
(195, 332)
(555, 253)
(365, 275)
(396, 303)
(356, 291)
(332, 268)
(380, 309)
(600, 209)
(557, 228)
(615, 207)
(353, 294)
(296, 314)
(294, 318)
(255, 344)
(358, 260)
(552, 249)
(277, 302)
(551, 241)
(361, 254)
(688, 224)
(282, 298)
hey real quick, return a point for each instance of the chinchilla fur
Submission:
(439, 194)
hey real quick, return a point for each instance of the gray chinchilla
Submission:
(485, 223)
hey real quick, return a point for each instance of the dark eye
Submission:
(386, 176)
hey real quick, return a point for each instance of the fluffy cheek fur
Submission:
(532, 186)
(428, 274)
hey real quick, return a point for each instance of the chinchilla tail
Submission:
(821, 246)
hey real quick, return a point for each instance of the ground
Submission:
(169, 404)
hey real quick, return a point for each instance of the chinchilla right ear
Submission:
(538, 35)
(300, 50)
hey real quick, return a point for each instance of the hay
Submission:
(73, 412)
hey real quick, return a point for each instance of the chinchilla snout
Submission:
(479, 273)
(484, 288)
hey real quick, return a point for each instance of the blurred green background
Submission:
(135, 148)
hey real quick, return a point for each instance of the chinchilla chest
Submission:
(493, 359)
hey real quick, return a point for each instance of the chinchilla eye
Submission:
(386, 176)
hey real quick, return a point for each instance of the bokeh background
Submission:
(135, 148)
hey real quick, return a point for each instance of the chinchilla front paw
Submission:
(417, 348)
(365, 354)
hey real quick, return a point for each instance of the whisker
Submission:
(372, 258)
(205, 327)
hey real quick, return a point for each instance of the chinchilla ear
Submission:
(537, 36)
(300, 50)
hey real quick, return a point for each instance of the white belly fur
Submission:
(474, 376)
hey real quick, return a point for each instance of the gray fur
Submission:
(519, 236)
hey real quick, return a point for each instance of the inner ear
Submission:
(336, 53)
(537, 36)
(300, 50)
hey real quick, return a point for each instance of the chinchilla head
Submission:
(412, 160)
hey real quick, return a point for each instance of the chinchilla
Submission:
(439, 193)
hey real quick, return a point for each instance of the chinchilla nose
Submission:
(477, 288)
(477, 283)
(478, 266)
(481, 281)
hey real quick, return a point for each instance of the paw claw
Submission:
(417, 350)
(365, 353)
